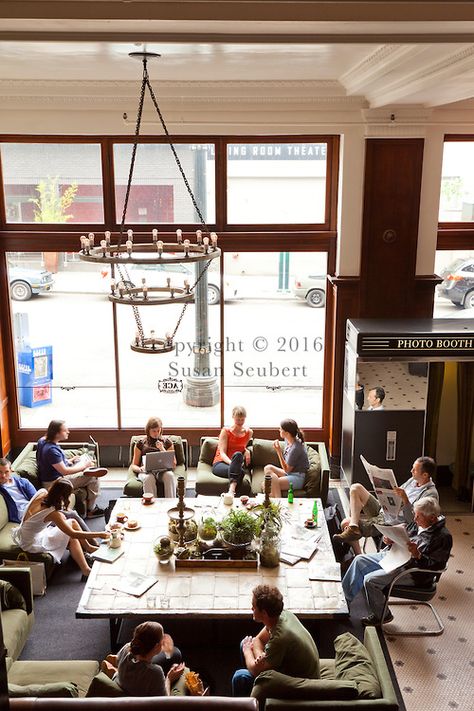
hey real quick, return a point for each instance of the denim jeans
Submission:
(242, 681)
(362, 565)
(233, 471)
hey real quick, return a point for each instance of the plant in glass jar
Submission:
(238, 530)
(163, 549)
(190, 531)
(269, 524)
(208, 528)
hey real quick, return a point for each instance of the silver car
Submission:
(26, 282)
(312, 289)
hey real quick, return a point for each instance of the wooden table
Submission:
(190, 593)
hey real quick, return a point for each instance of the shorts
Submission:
(297, 479)
(371, 514)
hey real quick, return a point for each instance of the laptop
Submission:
(159, 461)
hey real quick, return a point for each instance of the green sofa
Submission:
(26, 677)
(25, 465)
(332, 690)
(262, 452)
(134, 486)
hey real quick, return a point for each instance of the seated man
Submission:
(430, 545)
(365, 509)
(52, 464)
(18, 492)
(283, 644)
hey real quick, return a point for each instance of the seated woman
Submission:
(294, 460)
(154, 442)
(232, 454)
(138, 667)
(35, 535)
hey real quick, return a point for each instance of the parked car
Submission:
(458, 283)
(312, 289)
(156, 275)
(25, 283)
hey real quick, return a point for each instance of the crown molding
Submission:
(376, 64)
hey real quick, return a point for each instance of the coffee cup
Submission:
(227, 498)
(121, 517)
(244, 500)
(117, 526)
(147, 499)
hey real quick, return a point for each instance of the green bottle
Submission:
(315, 512)
(290, 494)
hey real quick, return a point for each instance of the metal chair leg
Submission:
(415, 633)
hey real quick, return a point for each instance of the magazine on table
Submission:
(299, 541)
(330, 572)
(135, 583)
(104, 554)
(384, 483)
(398, 554)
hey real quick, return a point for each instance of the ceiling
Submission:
(385, 63)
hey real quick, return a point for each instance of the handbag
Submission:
(38, 574)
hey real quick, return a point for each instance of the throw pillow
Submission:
(29, 469)
(208, 450)
(353, 663)
(60, 689)
(312, 482)
(10, 597)
(102, 685)
(274, 685)
(178, 448)
(263, 453)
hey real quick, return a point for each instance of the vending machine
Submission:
(35, 376)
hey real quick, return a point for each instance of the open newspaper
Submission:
(398, 554)
(384, 483)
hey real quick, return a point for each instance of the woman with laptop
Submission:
(149, 465)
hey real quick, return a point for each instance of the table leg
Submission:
(115, 625)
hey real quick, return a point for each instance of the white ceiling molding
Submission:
(373, 67)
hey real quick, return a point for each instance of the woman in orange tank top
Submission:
(232, 453)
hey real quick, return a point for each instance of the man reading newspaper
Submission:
(392, 503)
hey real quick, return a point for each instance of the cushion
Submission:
(273, 685)
(81, 450)
(80, 671)
(353, 663)
(61, 689)
(263, 453)
(102, 685)
(28, 468)
(10, 597)
(208, 450)
(312, 482)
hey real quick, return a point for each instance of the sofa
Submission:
(134, 487)
(168, 703)
(262, 453)
(29, 677)
(25, 465)
(358, 678)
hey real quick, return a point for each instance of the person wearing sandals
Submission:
(36, 535)
(294, 460)
(52, 464)
(154, 442)
(232, 454)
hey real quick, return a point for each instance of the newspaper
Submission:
(398, 554)
(299, 541)
(135, 584)
(325, 571)
(384, 483)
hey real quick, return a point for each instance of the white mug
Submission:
(228, 498)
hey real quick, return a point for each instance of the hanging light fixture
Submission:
(126, 251)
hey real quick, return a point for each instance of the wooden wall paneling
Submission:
(392, 188)
(344, 300)
(423, 302)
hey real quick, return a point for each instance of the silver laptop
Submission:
(159, 461)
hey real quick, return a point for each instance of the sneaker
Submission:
(373, 621)
(95, 513)
(95, 471)
(351, 533)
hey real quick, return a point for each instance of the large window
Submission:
(53, 183)
(455, 294)
(457, 182)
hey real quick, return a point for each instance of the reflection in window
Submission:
(274, 322)
(276, 183)
(158, 193)
(52, 182)
(63, 337)
(457, 182)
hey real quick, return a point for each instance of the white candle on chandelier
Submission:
(144, 288)
(137, 338)
(159, 246)
(83, 242)
(199, 236)
(154, 234)
(103, 245)
(107, 237)
(91, 238)
(152, 338)
(186, 245)
(87, 245)
(179, 236)
(214, 240)
(121, 291)
(112, 286)
(169, 338)
(205, 242)
(168, 282)
(129, 246)
(130, 235)
(172, 292)
(186, 286)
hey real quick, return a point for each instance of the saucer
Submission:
(310, 524)
(134, 528)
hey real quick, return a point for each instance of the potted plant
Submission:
(163, 549)
(238, 530)
(208, 528)
(269, 522)
(190, 531)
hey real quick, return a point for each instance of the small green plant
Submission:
(270, 518)
(190, 530)
(239, 527)
(163, 545)
(208, 529)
